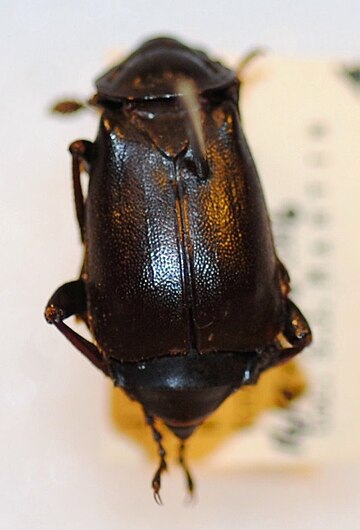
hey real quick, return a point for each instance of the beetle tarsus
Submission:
(156, 485)
(157, 497)
(156, 481)
(189, 480)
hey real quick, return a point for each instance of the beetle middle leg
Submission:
(70, 299)
(156, 482)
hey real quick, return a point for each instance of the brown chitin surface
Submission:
(237, 304)
(180, 256)
(133, 264)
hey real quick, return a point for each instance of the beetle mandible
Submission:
(181, 286)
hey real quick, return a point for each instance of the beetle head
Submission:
(152, 70)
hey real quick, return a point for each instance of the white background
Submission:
(54, 472)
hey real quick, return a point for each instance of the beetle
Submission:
(181, 286)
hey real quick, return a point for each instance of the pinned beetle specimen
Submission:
(181, 287)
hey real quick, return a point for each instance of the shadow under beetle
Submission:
(181, 287)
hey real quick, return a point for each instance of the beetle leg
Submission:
(296, 334)
(81, 151)
(70, 299)
(284, 278)
(182, 462)
(156, 482)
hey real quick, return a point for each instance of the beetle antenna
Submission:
(248, 58)
(189, 480)
(194, 128)
(156, 481)
(70, 106)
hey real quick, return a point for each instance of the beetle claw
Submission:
(156, 482)
(190, 498)
(157, 498)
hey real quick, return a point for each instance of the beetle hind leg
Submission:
(70, 299)
(296, 334)
(156, 481)
(182, 462)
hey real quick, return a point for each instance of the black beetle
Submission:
(181, 287)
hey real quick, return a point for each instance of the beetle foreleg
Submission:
(70, 299)
(156, 482)
(81, 151)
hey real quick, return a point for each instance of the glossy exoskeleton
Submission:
(181, 286)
